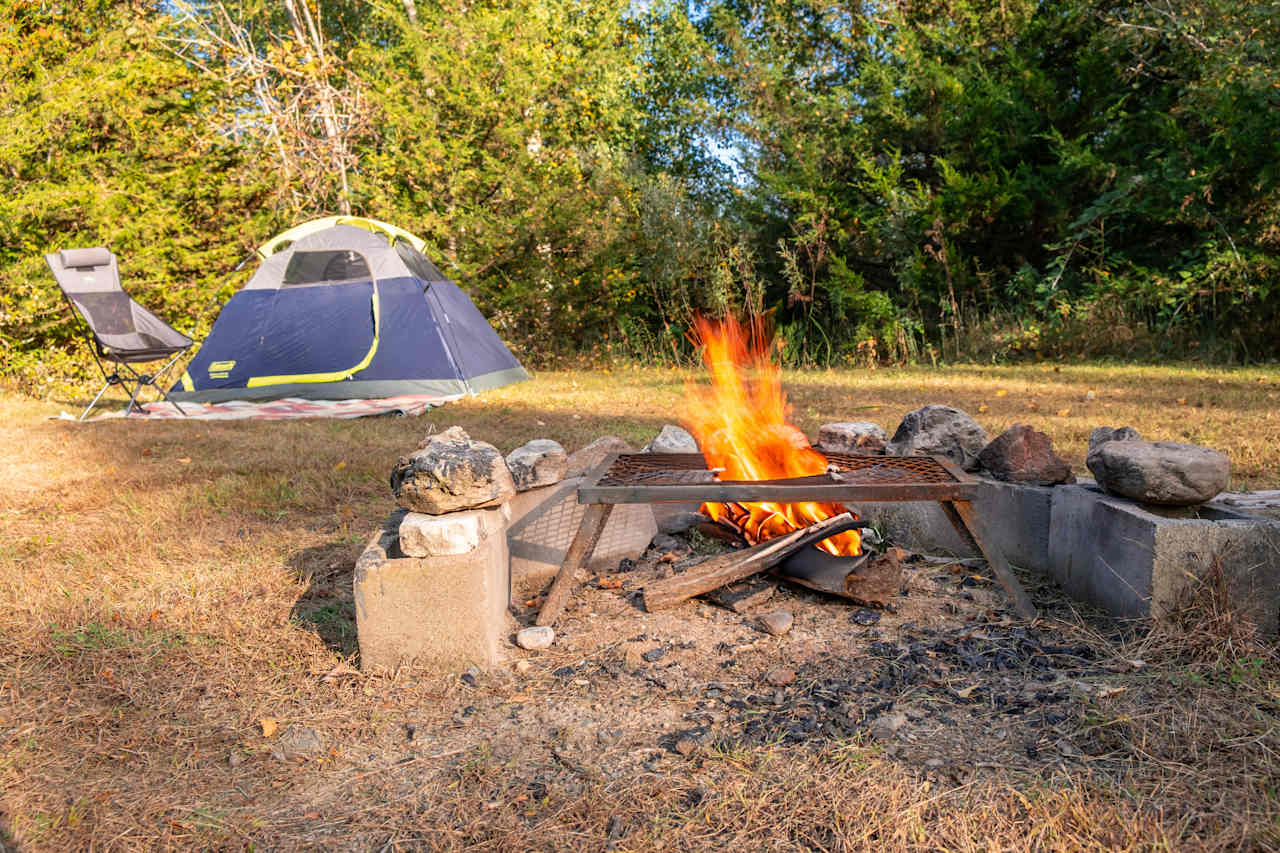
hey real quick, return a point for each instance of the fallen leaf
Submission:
(669, 557)
(341, 464)
(1105, 691)
(982, 408)
(185, 460)
(1182, 401)
(269, 726)
(1062, 413)
(1002, 393)
(610, 583)
(965, 692)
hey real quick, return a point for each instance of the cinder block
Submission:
(544, 522)
(1135, 561)
(441, 613)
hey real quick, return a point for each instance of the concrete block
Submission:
(544, 522)
(1135, 560)
(1017, 517)
(442, 613)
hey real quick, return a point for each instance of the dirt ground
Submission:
(179, 668)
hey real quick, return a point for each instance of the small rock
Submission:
(449, 472)
(705, 611)
(1021, 454)
(1159, 472)
(1104, 434)
(780, 676)
(852, 437)
(939, 431)
(423, 535)
(672, 439)
(664, 542)
(541, 462)
(584, 459)
(235, 759)
(679, 522)
(886, 726)
(686, 746)
(934, 763)
(654, 654)
(299, 742)
(535, 638)
(470, 677)
(523, 667)
(864, 617)
(777, 622)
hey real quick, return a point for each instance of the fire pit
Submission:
(657, 478)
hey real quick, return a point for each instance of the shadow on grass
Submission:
(327, 606)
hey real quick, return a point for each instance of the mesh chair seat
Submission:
(119, 330)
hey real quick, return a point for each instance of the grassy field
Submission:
(167, 586)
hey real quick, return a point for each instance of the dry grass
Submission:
(165, 586)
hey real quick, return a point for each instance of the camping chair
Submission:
(119, 330)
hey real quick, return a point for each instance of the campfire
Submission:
(741, 422)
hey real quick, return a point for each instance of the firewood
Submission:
(723, 569)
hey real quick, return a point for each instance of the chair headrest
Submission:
(85, 257)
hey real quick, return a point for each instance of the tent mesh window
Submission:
(417, 262)
(327, 267)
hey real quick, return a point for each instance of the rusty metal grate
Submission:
(643, 477)
(690, 469)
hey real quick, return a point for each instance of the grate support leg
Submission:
(584, 543)
(969, 525)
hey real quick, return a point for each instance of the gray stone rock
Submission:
(680, 522)
(939, 431)
(886, 726)
(777, 622)
(1021, 454)
(852, 437)
(1159, 472)
(449, 472)
(541, 462)
(666, 542)
(1105, 433)
(584, 459)
(672, 439)
(298, 742)
(535, 638)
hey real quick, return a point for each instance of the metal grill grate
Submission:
(645, 477)
(690, 469)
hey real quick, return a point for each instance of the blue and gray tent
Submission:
(347, 308)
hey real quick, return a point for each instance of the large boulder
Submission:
(541, 462)
(450, 472)
(852, 437)
(672, 439)
(584, 459)
(940, 431)
(1159, 472)
(1023, 455)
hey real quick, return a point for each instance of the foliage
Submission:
(909, 180)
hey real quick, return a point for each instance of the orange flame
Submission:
(741, 424)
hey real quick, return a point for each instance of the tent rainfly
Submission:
(347, 308)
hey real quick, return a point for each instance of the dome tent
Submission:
(347, 308)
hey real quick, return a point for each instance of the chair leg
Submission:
(133, 397)
(86, 412)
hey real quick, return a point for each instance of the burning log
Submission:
(724, 569)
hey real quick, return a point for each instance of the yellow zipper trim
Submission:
(337, 375)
